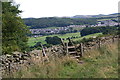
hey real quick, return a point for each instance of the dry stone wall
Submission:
(11, 63)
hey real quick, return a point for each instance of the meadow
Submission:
(32, 41)
(41, 39)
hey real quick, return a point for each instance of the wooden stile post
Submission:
(113, 39)
(43, 53)
(62, 42)
(81, 49)
(99, 43)
(9, 68)
(67, 48)
(70, 42)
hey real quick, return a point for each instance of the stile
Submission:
(81, 49)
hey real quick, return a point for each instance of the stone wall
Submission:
(11, 63)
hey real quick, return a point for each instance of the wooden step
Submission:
(69, 47)
(75, 56)
(73, 52)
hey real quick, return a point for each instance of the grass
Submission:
(88, 36)
(105, 19)
(32, 41)
(100, 63)
(97, 63)
(78, 28)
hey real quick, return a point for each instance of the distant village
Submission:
(57, 30)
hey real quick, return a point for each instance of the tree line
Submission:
(104, 29)
(36, 23)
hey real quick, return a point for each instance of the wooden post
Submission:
(43, 51)
(71, 43)
(62, 42)
(113, 39)
(67, 47)
(99, 43)
(81, 49)
(44, 54)
(9, 67)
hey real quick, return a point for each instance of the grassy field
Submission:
(32, 41)
(78, 28)
(96, 63)
(105, 19)
(88, 36)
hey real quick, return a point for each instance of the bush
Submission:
(53, 40)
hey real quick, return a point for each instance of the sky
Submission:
(66, 8)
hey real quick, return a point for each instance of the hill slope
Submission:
(45, 22)
(56, 22)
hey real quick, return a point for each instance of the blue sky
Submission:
(60, 8)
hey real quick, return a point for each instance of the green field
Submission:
(88, 36)
(78, 28)
(32, 41)
(105, 19)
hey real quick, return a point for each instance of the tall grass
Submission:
(96, 63)
(100, 63)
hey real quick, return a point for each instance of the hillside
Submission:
(84, 46)
(97, 16)
(46, 22)
(56, 22)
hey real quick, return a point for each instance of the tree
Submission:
(53, 40)
(62, 32)
(89, 30)
(14, 31)
(75, 31)
(105, 30)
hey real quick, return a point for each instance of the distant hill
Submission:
(45, 22)
(36, 23)
(96, 16)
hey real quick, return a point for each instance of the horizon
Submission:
(66, 8)
(72, 16)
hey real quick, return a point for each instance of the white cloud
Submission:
(48, 8)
